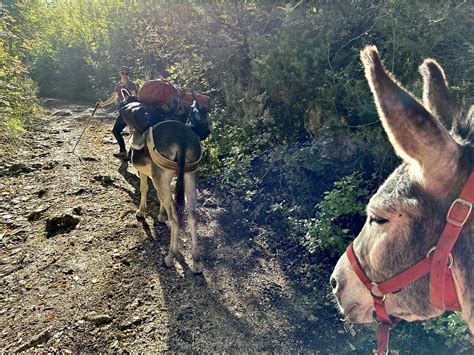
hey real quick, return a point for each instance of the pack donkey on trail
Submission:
(418, 214)
(170, 148)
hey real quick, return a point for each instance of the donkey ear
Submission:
(418, 138)
(436, 95)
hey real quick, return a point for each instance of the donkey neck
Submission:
(463, 273)
(462, 270)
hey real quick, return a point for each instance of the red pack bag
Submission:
(161, 91)
(188, 96)
(157, 92)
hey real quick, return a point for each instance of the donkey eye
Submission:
(378, 220)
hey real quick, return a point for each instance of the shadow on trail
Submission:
(251, 294)
(288, 306)
(182, 310)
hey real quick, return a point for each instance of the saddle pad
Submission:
(160, 160)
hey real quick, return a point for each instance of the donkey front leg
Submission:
(191, 197)
(143, 192)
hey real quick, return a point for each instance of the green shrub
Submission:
(18, 103)
(332, 228)
(454, 331)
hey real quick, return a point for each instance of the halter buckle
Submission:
(450, 256)
(377, 294)
(457, 222)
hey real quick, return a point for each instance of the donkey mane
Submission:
(463, 129)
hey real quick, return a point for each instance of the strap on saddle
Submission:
(160, 160)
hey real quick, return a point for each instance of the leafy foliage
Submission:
(453, 330)
(18, 102)
(340, 210)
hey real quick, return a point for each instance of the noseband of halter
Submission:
(437, 263)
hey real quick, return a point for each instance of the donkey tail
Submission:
(179, 194)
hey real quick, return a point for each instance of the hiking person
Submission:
(120, 124)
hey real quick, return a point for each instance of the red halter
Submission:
(442, 292)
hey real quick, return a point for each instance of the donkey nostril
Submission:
(333, 283)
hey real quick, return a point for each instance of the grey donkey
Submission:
(406, 216)
(161, 152)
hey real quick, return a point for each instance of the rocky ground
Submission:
(79, 272)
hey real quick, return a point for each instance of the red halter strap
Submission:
(458, 215)
(385, 323)
(442, 291)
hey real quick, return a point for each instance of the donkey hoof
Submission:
(140, 214)
(169, 262)
(163, 265)
(197, 268)
(161, 218)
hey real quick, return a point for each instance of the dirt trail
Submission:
(100, 286)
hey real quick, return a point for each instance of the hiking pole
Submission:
(95, 109)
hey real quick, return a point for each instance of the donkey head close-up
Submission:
(407, 214)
